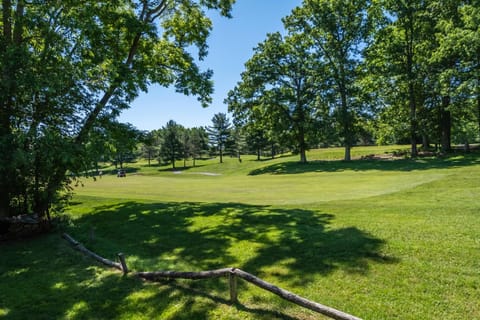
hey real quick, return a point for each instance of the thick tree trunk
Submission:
(303, 151)
(425, 142)
(302, 144)
(303, 156)
(348, 153)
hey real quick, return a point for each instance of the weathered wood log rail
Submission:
(77, 245)
(231, 273)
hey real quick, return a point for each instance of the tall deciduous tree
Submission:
(396, 55)
(279, 88)
(456, 58)
(65, 63)
(337, 30)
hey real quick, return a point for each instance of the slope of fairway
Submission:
(265, 189)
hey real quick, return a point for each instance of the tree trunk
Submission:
(445, 125)
(302, 144)
(413, 120)
(7, 92)
(303, 156)
(410, 38)
(478, 108)
(58, 177)
(346, 124)
(348, 154)
(478, 101)
(425, 143)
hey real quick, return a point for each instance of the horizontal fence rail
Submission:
(77, 245)
(232, 273)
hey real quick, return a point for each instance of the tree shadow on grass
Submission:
(289, 245)
(293, 167)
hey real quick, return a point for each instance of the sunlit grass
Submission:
(378, 239)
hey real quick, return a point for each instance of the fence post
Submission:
(121, 257)
(232, 277)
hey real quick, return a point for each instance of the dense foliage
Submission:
(68, 67)
(350, 72)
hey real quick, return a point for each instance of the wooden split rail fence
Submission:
(231, 273)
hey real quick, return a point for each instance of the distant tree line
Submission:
(173, 142)
(118, 143)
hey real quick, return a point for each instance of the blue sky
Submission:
(230, 45)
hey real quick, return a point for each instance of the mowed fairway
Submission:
(380, 239)
(270, 182)
(266, 189)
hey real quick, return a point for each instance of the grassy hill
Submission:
(381, 239)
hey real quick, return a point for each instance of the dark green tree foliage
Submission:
(198, 142)
(421, 52)
(149, 145)
(279, 91)
(397, 58)
(219, 133)
(122, 139)
(66, 63)
(337, 30)
(236, 143)
(455, 59)
(256, 139)
(172, 148)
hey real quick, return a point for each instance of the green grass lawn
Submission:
(380, 239)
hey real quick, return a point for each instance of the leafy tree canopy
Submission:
(65, 64)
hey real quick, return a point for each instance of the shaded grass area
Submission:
(292, 167)
(228, 234)
(288, 246)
